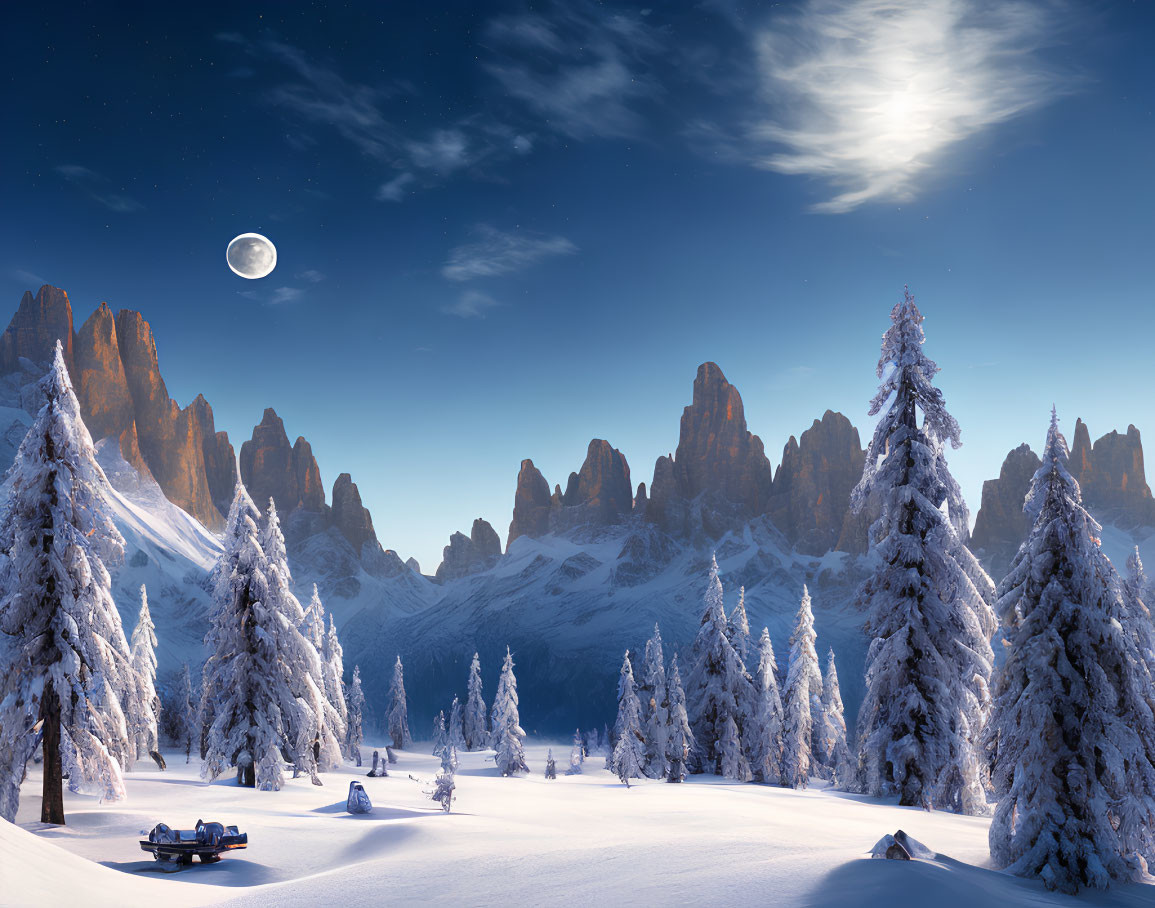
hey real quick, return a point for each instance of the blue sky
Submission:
(504, 230)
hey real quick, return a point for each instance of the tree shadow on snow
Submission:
(947, 883)
(379, 813)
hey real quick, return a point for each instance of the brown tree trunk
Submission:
(52, 805)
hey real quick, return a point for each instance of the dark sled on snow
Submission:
(208, 842)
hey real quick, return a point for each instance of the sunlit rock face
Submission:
(1001, 524)
(810, 499)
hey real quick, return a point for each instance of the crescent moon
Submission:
(251, 256)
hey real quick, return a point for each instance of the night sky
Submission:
(506, 229)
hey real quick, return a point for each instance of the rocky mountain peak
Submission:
(810, 500)
(531, 504)
(1001, 524)
(40, 321)
(272, 468)
(349, 515)
(466, 555)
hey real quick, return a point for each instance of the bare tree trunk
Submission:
(52, 805)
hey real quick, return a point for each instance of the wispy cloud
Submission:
(28, 278)
(319, 94)
(311, 275)
(281, 295)
(496, 252)
(95, 186)
(471, 304)
(583, 69)
(868, 94)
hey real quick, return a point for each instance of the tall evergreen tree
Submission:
(398, 716)
(803, 686)
(655, 706)
(840, 770)
(1072, 732)
(333, 671)
(456, 725)
(679, 738)
(629, 758)
(63, 656)
(144, 720)
(440, 734)
(356, 701)
(257, 662)
(508, 737)
(316, 726)
(928, 601)
(184, 710)
(313, 620)
(733, 759)
(768, 745)
(738, 627)
(718, 685)
(475, 722)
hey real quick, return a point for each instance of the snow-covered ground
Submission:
(580, 839)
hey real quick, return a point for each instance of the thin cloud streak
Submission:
(496, 252)
(869, 94)
(471, 304)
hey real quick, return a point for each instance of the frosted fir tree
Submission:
(839, 766)
(717, 685)
(1071, 734)
(1136, 596)
(768, 746)
(576, 755)
(929, 617)
(333, 671)
(734, 763)
(304, 662)
(803, 688)
(184, 714)
(398, 715)
(474, 725)
(508, 736)
(738, 627)
(449, 758)
(356, 702)
(550, 765)
(313, 619)
(61, 639)
(629, 759)
(440, 734)
(679, 737)
(593, 745)
(144, 716)
(655, 707)
(258, 658)
(456, 725)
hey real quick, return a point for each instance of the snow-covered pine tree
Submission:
(256, 661)
(474, 725)
(767, 748)
(1071, 733)
(550, 765)
(398, 715)
(928, 601)
(839, 768)
(456, 725)
(313, 620)
(679, 737)
(64, 655)
(717, 685)
(655, 707)
(185, 714)
(593, 744)
(734, 763)
(508, 736)
(305, 663)
(144, 718)
(449, 759)
(333, 671)
(440, 734)
(803, 683)
(1137, 597)
(356, 702)
(629, 759)
(738, 627)
(576, 755)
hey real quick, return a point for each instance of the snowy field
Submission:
(580, 839)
